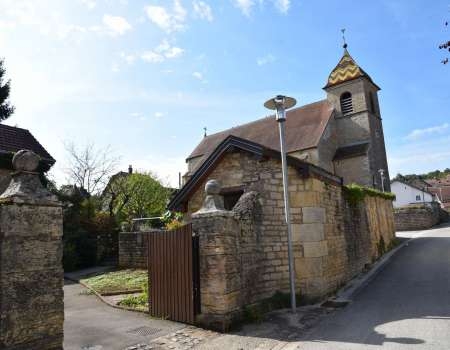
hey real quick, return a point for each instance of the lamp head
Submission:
(280, 103)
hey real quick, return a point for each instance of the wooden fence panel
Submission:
(173, 274)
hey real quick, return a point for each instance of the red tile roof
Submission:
(14, 139)
(304, 128)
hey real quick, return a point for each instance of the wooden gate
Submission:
(173, 271)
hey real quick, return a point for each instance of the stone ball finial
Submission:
(25, 160)
(213, 187)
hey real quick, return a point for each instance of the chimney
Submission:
(130, 169)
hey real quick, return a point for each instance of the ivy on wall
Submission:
(355, 193)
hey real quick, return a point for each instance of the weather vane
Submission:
(205, 129)
(343, 38)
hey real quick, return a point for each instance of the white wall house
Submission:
(407, 194)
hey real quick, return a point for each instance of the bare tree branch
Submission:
(90, 167)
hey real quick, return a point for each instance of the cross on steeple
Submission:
(205, 130)
(343, 38)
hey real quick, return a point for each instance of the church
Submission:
(341, 135)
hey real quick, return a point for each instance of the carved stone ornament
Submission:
(25, 185)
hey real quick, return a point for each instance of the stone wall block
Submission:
(308, 232)
(313, 215)
(315, 249)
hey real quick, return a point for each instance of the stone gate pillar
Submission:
(219, 260)
(31, 274)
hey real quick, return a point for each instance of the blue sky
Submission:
(146, 76)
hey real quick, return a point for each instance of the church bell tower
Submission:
(361, 155)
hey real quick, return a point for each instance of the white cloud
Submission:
(173, 52)
(116, 25)
(261, 61)
(128, 57)
(198, 75)
(418, 133)
(90, 4)
(115, 67)
(169, 21)
(282, 5)
(152, 57)
(162, 52)
(203, 10)
(245, 6)
(159, 115)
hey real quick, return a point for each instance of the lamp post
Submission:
(280, 104)
(381, 171)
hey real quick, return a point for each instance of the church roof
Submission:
(347, 69)
(304, 128)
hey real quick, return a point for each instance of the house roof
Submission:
(304, 128)
(14, 139)
(350, 151)
(347, 69)
(443, 193)
(413, 186)
(233, 143)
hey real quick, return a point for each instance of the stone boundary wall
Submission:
(417, 217)
(333, 240)
(133, 250)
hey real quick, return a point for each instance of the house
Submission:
(407, 193)
(341, 136)
(441, 188)
(13, 139)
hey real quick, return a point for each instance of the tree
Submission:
(139, 195)
(6, 109)
(90, 167)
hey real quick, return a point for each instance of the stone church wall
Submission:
(332, 241)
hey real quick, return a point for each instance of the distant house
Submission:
(14, 139)
(407, 194)
(441, 189)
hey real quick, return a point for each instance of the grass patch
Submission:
(139, 302)
(118, 281)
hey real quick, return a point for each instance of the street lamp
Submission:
(280, 104)
(381, 171)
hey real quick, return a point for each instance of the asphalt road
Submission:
(92, 325)
(407, 306)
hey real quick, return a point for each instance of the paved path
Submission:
(92, 325)
(407, 306)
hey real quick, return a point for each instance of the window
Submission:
(418, 197)
(346, 103)
(231, 196)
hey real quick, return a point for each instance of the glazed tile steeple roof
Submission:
(347, 69)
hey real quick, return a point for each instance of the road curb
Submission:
(99, 296)
(356, 285)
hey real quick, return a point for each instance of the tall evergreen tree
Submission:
(6, 109)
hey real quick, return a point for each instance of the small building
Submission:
(12, 140)
(407, 194)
